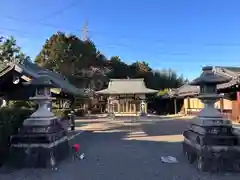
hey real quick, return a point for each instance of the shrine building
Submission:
(126, 96)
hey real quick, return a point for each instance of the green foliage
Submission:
(9, 51)
(66, 53)
(118, 68)
(10, 120)
(21, 104)
(86, 67)
(163, 92)
(74, 59)
(61, 113)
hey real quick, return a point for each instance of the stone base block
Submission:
(38, 155)
(213, 159)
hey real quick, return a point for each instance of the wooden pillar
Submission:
(146, 107)
(134, 107)
(188, 104)
(175, 105)
(126, 103)
(238, 105)
(221, 104)
(118, 105)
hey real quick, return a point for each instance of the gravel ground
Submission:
(126, 152)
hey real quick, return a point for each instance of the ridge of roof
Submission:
(127, 86)
(229, 69)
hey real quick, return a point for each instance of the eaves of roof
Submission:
(63, 84)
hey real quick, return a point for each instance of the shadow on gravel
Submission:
(169, 127)
(112, 156)
(154, 128)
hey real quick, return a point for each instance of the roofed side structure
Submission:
(232, 72)
(127, 86)
(31, 71)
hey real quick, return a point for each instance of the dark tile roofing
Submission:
(232, 72)
(232, 69)
(42, 81)
(186, 88)
(126, 86)
(34, 71)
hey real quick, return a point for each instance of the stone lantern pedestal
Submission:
(42, 141)
(111, 113)
(143, 108)
(210, 143)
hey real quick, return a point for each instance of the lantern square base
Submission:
(38, 146)
(218, 154)
(38, 155)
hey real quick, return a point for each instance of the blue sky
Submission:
(183, 35)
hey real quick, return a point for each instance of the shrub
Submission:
(22, 104)
(61, 113)
(10, 120)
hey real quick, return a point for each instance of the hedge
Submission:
(10, 120)
(63, 113)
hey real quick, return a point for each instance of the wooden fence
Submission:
(232, 114)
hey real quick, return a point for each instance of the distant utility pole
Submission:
(85, 31)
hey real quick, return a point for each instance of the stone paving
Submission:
(125, 151)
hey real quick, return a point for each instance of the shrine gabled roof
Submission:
(232, 72)
(32, 70)
(188, 89)
(126, 86)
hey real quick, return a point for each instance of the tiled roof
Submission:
(126, 86)
(232, 69)
(34, 71)
(188, 89)
(232, 72)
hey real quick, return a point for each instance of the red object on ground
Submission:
(76, 147)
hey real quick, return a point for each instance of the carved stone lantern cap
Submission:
(41, 81)
(208, 76)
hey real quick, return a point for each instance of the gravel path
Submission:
(126, 152)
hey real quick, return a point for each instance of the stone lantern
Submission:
(142, 108)
(42, 141)
(210, 142)
(110, 107)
